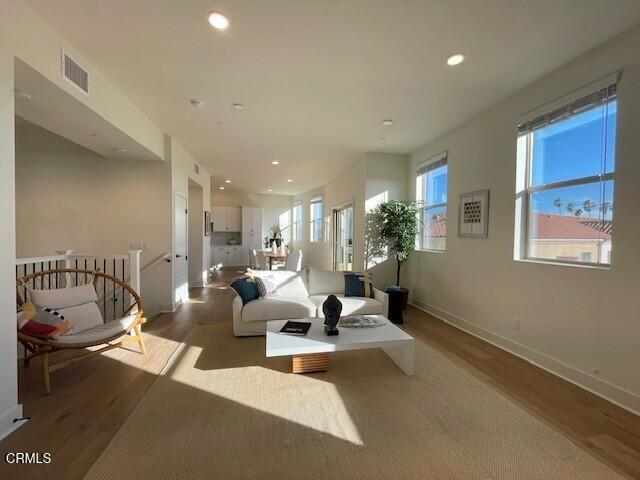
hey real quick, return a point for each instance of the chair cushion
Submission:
(274, 307)
(350, 305)
(321, 282)
(64, 297)
(287, 284)
(101, 332)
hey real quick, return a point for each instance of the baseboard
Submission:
(168, 307)
(7, 424)
(610, 392)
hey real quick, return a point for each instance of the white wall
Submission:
(198, 271)
(581, 323)
(9, 407)
(68, 197)
(372, 175)
(183, 171)
(272, 205)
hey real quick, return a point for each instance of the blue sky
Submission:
(580, 146)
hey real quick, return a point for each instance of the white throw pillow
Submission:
(82, 317)
(64, 297)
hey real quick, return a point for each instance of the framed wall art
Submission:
(473, 218)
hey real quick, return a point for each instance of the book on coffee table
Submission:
(295, 328)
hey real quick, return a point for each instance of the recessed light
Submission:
(94, 134)
(120, 149)
(227, 181)
(387, 123)
(269, 190)
(383, 138)
(221, 188)
(218, 21)
(238, 106)
(275, 162)
(456, 59)
(220, 122)
(195, 103)
(289, 180)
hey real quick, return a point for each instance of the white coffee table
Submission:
(311, 352)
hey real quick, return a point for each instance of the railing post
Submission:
(67, 264)
(134, 270)
(67, 257)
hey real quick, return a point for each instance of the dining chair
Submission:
(261, 261)
(253, 258)
(293, 262)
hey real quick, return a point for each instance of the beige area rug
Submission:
(221, 410)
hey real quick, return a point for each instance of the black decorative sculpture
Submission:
(332, 308)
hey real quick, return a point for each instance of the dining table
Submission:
(274, 256)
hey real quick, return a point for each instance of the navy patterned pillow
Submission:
(246, 288)
(358, 285)
(260, 286)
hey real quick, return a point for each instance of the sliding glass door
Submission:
(343, 238)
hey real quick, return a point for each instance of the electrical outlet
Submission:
(516, 324)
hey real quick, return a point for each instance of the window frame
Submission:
(524, 178)
(296, 236)
(442, 158)
(312, 220)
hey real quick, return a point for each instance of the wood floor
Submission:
(91, 400)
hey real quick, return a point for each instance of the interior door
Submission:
(343, 238)
(180, 248)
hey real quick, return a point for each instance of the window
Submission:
(297, 222)
(564, 194)
(284, 221)
(431, 189)
(315, 210)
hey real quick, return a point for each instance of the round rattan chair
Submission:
(119, 305)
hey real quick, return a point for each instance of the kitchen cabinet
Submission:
(228, 256)
(227, 219)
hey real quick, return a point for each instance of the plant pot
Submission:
(398, 298)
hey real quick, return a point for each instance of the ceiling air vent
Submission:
(196, 168)
(73, 72)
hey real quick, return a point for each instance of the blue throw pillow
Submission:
(246, 289)
(358, 285)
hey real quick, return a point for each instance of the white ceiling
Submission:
(56, 110)
(318, 76)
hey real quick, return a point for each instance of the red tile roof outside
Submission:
(551, 227)
(545, 226)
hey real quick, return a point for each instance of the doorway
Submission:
(180, 249)
(198, 271)
(343, 238)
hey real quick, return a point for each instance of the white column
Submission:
(67, 257)
(134, 270)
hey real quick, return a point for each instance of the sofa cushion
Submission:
(321, 282)
(246, 289)
(274, 307)
(350, 305)
(358, 285)
(287, 284)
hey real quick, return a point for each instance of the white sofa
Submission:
(300, 295)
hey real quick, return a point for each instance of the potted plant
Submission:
(398, 226)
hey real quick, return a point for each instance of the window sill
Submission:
(426, 250)
(563, 264)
